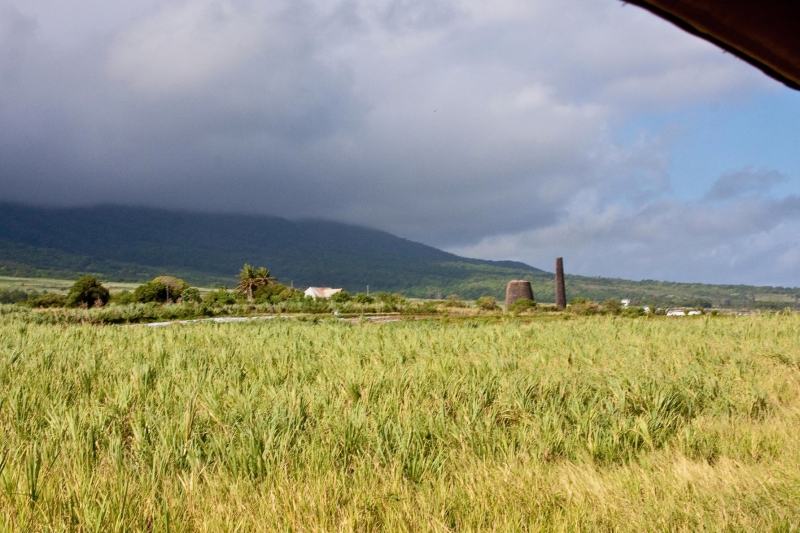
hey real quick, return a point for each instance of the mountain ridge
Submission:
(124, 243)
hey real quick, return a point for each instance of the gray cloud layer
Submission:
(484, 128)
(747, 181)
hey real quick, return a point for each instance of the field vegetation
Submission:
(555, 422)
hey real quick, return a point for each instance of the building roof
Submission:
(763, 33)
(321, 292)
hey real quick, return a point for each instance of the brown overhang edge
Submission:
(741, 40)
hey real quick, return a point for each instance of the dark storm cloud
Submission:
(451, 122)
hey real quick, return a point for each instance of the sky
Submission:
(521, 130)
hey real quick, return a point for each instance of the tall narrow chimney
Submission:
(561, 294)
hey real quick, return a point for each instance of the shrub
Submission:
(47, 299)
(160, 289)
(454, 300)
(152, 291)
(389, 298)
(487, 303)
(122, 298)
(341, 297)
(275, 293)
(220, 296)
(176, 285)
(612, 307)
(522, 305)
(632, 311)
(362, 298)
(430, 308)
(192, 294)
(584, 307)
(265, 293)
(292, 294)
(88, 292)
(13, 296)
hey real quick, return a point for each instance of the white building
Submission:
(321, 292)
(625, 302)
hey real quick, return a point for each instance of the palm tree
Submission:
(253, 278)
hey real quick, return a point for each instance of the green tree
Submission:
(251, 279)
(87, 291)
(160, 289)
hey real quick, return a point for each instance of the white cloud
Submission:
(692, 242)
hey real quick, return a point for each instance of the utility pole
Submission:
(367, 290)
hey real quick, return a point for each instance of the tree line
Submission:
(256, 285)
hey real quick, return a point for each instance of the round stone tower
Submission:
(517, 290)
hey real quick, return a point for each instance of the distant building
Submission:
(625, 302)
(321, 292)
(676, 312)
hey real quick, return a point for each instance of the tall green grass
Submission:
(595, 423)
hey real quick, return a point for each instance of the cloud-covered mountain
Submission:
(136, 244)
(496, 130)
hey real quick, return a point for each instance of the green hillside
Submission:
(128, 244)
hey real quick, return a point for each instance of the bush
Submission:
(633, 311)
(291, 294)
(48, 299)
(176, 285)
(584, 307)
(275, 293)
(454, 300)
(265, 293)
(87, 292)
(389, 298)
(612, 307)
(487, 303)
(341, 297)
(362, 298)
(522, 305)
(12, 296)
(122, 298)
(220, 296)
(192, 294)
(160, 289)
(152, 291)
